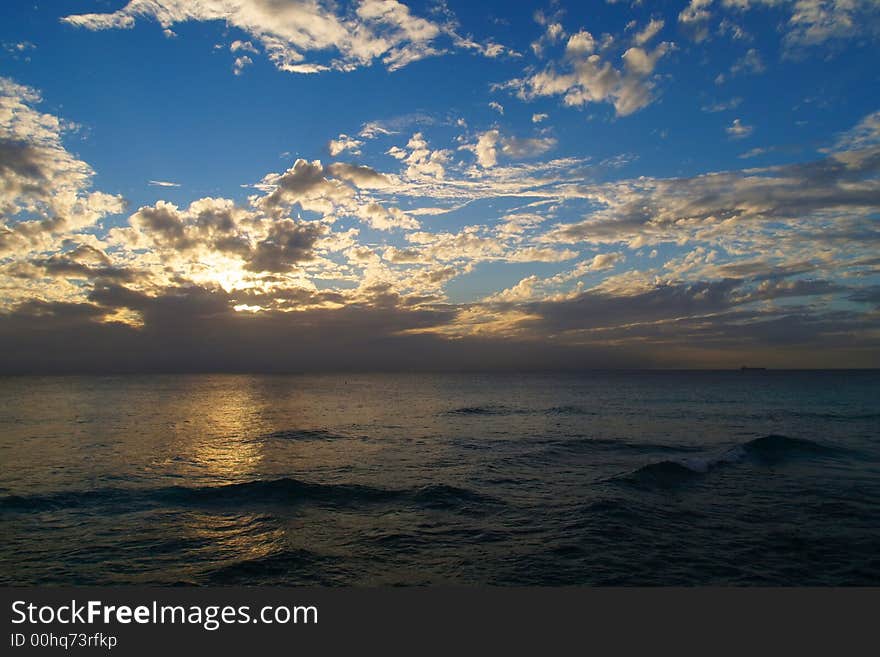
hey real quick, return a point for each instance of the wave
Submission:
(568, 410)
(285, 491)
(442, 496)
(775, 447)
(65, 499)
(833, 415)
(490, 409)
(772, 449)
(577, 444)
(499, 409)
(662, 474)
(302, 434)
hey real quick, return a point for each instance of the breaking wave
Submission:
(772, 449)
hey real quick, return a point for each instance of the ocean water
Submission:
(605, 478)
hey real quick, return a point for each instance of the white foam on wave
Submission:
(703, 464)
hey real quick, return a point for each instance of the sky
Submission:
(306, 185)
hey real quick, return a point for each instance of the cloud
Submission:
(243, 46)
(603, 261)
(305, 37)
(343, 265)
(553, 33)
(808, 23)
(306, 185)
(524, 147)
(584, 76)
(751, 62)
(863, 135)
(360, 176)
(422, 161)
(383, 218)
(491, 142)
(723, 106)
(18, 50)
(817, 22)
(45, 190)
(798, 207)
(485, 149)
(207, 225)
(194, 328)
(81, 263)
(344, 143)
(738, 129)
(241, 63)
(649, 32)
(641, 62)
(162, 183)
(287, 244)
(695, 18)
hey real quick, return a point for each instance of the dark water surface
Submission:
(600, 478)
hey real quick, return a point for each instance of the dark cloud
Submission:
(712, 205)
(195, 329)
(304, 182)
(867, 295)
(287, 244)
(596, 309)
(164, 225)
(21, 159)
(64, 267)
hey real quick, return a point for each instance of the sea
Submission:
(607, 478)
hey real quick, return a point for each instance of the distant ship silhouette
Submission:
(744, 368)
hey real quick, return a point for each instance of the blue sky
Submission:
(672, 183)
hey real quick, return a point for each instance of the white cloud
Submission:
(422, 162)
(382, 218)
(486, 148)
(245, 46)
(809, 23)
(695, 17)
(241, 63)
(816, 22)
(305, 37)
(642, 62)
(723, 106)
(344, 143)
(490, 142)
(583, 76)
(738, 130)
(751, 62)
(649, 32)
(553, 33)
(581, 43)
(600, 262)
(865, 134)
